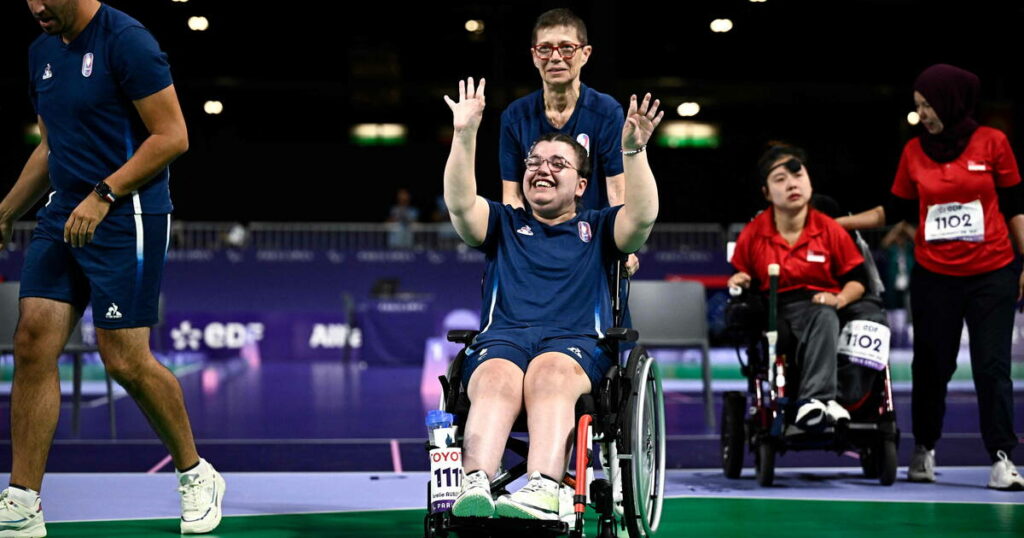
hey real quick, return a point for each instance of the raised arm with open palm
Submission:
(469, 212)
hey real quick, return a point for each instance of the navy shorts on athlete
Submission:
(523, 345)
(119, 272)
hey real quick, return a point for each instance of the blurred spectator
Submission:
(402, 215)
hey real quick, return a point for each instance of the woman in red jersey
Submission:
(822, 272)
(959, 183)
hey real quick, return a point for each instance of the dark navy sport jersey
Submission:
(84, 91)
(596, 123)
(548, 276)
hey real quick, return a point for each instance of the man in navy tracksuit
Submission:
(110, 124)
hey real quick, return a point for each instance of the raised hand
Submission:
(640, 122)
(467, 113)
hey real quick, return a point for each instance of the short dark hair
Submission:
(560, 17)
(774, 151)
(582, 156)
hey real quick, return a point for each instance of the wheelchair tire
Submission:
(764, 467)
(869, 462)
(733, 435)
(643, 438)
(887, 463)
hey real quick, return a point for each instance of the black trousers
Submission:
(940, 304)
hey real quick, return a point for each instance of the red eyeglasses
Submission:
(565, 50)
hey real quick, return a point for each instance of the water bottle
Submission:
(445, 461)
(440, 432)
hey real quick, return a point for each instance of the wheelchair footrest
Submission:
(510, 527)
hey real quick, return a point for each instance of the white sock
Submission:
(27, 497)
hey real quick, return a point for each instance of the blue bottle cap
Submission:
(436, 417)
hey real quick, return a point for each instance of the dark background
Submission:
(833, 76)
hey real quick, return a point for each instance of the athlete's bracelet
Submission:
(635, 151)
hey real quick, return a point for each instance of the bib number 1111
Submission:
(452, 478)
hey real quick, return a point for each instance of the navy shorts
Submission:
(522, 345)
(119, 272)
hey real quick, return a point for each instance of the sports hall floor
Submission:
(302, 449)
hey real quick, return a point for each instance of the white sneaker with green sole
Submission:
(538, 499)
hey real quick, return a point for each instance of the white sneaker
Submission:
(922, 465)
(836, 412)
(1004, 475)
(20, 519)
(811, 415)
(538, 499)
(202, 491)
(475, 499)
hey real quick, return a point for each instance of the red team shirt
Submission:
(985, 164)
(823, 251)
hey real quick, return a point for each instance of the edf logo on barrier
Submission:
(216, 335)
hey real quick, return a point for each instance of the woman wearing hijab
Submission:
(959, 183)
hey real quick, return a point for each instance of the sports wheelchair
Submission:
(763, 417)
(624, 414)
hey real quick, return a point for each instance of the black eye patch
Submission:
(793, 165)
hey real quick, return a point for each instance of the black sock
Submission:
(190, 468)
(549, 478)
(22, 488)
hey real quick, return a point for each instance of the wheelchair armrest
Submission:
(622, 334)
(462, 337)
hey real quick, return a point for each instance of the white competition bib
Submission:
(445, 477)
(955, 222)
(866, 343)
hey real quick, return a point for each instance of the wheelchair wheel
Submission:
(643, 438)
(764, 465)
(887, 463)
(869, 462)
(733, 438)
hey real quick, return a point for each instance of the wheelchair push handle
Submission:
(773, 295)
(462, 336)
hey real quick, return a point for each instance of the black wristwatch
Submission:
(104, 191)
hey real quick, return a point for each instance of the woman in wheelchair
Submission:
(545, 298)
(822, 272)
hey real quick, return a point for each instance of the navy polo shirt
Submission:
(596, 123)
(548, 276)
(83, 91)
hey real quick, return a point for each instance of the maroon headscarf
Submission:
(953, 93)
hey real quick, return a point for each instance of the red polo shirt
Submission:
(985, 164)
(823, 251)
